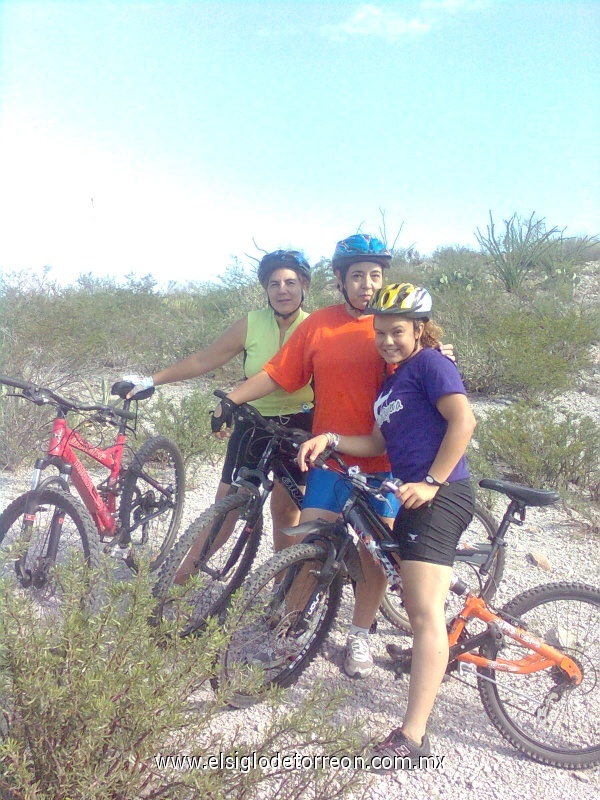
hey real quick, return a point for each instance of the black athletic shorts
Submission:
(247, 443)
(431, 532)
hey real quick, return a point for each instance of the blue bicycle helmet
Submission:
(283, 259)
(360, 247)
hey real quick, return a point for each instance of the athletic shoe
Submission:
(358, 662)
(397, 752)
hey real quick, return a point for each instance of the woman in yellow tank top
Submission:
(285, 277)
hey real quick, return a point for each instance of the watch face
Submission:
(428, 479)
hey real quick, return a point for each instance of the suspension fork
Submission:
(331, 566)
(26, 576)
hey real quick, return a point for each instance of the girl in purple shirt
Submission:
(424, 422)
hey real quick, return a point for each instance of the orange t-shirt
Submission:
(338, 351)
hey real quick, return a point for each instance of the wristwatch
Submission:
(432, 481)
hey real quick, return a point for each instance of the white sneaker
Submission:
(358, 662)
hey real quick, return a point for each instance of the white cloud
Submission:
(452, 6)
(370, 20)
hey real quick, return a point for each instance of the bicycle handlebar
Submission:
(295, 436)
(40, 396)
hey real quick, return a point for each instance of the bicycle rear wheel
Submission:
(152, 499)
(542, 714)
(25, 559)
(225, 538)
(474, 542)
(278, 626)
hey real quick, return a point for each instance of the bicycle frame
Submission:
(545, 655)
(61, 452)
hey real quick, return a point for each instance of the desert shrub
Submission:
(91, 702)
(541, 447)
(515, 252)
(459, 267)
(186, 420)
(510, 346)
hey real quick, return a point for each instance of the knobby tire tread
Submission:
(90, 541)
(146, 451)
(210, 519)
(294, 554)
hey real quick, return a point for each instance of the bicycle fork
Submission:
(36, 574)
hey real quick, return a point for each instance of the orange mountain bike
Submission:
(536, 661)
(133, 512)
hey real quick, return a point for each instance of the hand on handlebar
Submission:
(310, 450)
(140, 384)
(222, 416)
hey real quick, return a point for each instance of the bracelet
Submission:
(333, 440)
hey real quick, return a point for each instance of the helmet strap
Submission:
(290, 313)
(347, 299)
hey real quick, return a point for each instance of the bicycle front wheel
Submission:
(209, 561)
(473, 543)
(152, 499)
(285, 613)
(61, 534)
(543, 714)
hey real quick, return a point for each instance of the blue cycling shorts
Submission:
(329, 491)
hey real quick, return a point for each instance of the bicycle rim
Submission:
(25, 563)
(222, 562)
(279, 624)
(152, 499)
(551, 720)
(480, 532)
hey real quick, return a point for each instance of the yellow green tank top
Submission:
(262, 342)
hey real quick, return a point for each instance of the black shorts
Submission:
(431, 532)
(247, 444)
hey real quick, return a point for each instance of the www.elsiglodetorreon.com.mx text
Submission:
(291, 761)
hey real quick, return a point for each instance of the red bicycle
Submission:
(134, 512)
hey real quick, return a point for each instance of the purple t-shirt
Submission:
(406, 413)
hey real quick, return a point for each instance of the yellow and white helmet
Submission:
(402, 299)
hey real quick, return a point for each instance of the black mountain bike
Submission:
(227, 535)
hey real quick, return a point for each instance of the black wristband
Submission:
(432, 481)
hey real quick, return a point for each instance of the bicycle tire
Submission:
(554, 732)
(481, 530)
(206, 597)
(79, 537)
(256, 625)
(159, 459)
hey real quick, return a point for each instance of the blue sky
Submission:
(165, 137)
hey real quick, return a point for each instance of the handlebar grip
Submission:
(16, 384)
(122, 388)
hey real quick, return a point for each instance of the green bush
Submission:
(186, 421)
(515, 347)
(541, 447)
(88, 702)
(459, 267)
